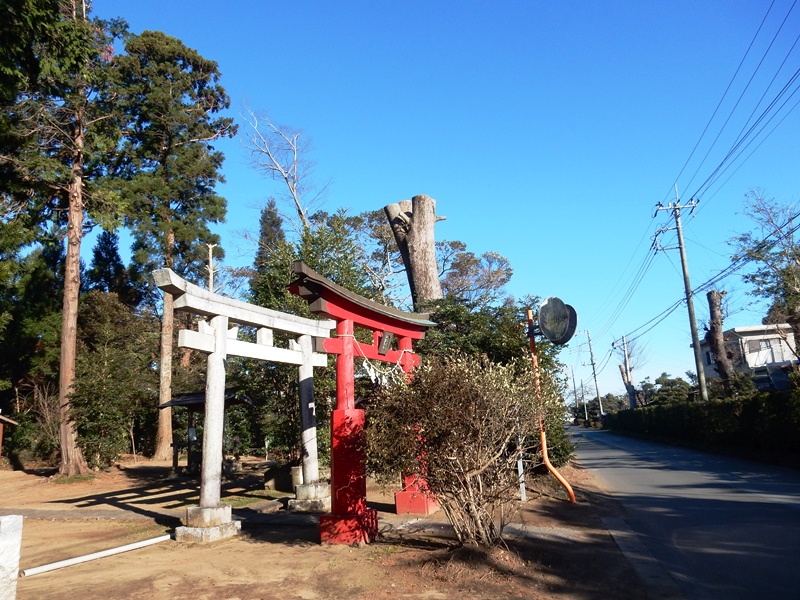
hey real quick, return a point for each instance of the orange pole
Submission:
(542, 436)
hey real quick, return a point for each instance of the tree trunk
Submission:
(72, 461)
(629, 387)
(793, 319)
(716, 341)
(163, 449)
(185, 321)
(412, 223)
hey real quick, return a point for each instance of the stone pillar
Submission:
(212, 521)
(308, 417)
(350, 521)
(10, 543)
(310, 495)
(214, 416)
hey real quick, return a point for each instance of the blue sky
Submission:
(546, 131)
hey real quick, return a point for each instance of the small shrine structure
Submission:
(350, 520)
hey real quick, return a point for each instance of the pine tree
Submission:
(273, 262)
(171, 96)
(54, 109)
(107, 273)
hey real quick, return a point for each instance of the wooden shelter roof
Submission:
(199, 398)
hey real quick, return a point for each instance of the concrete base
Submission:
(414, 502)
(208, 524)
(206, 535)
(10, 543)
(205, 516)
(349, 529)
(312, 497)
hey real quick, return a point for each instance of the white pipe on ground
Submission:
(95, 555)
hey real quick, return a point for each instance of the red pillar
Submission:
(350, 521)
(414, 498)
(404, 345)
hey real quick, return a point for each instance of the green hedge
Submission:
(767, 423)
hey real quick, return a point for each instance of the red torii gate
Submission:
(350, 521)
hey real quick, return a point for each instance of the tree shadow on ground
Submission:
(160, 495)
(552, 547)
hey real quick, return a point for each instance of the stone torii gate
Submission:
(211, 520)
(350, 521)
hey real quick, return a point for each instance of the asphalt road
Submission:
(719, 527)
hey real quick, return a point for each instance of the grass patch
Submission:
(60, 479)
(245, 498)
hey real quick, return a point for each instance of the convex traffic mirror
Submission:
(557, 321)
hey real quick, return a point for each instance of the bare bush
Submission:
(456, 424)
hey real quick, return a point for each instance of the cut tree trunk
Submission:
(629, 387)
(412, 223)
(716, 341)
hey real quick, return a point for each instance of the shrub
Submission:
(456, 424)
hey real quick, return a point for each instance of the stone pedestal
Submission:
(208, 524)
(414, 499)
(10, 543)
(297, 476)
(312, 497)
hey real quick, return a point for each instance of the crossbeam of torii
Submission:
(211, 520)
(350, 520)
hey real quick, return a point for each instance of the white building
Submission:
(762, 351)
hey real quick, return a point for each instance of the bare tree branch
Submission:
(280, 153)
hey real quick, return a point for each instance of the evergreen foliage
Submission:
(94, 138)
(765, 423)
(107, 273)
(330, 247)
(31, 300)
(62, 130)
(116, 382)
(170, 97)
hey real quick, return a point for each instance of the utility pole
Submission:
(210, 267)
(594, 371)
(574, 391)
(675, 207)
(583, 398)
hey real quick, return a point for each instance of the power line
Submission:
(719, 104)
(765, 245)
(742, 94)
(749, 136)
(752, 135)
(741, 163)
(634, 282)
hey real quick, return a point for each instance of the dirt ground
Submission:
(555, 550)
